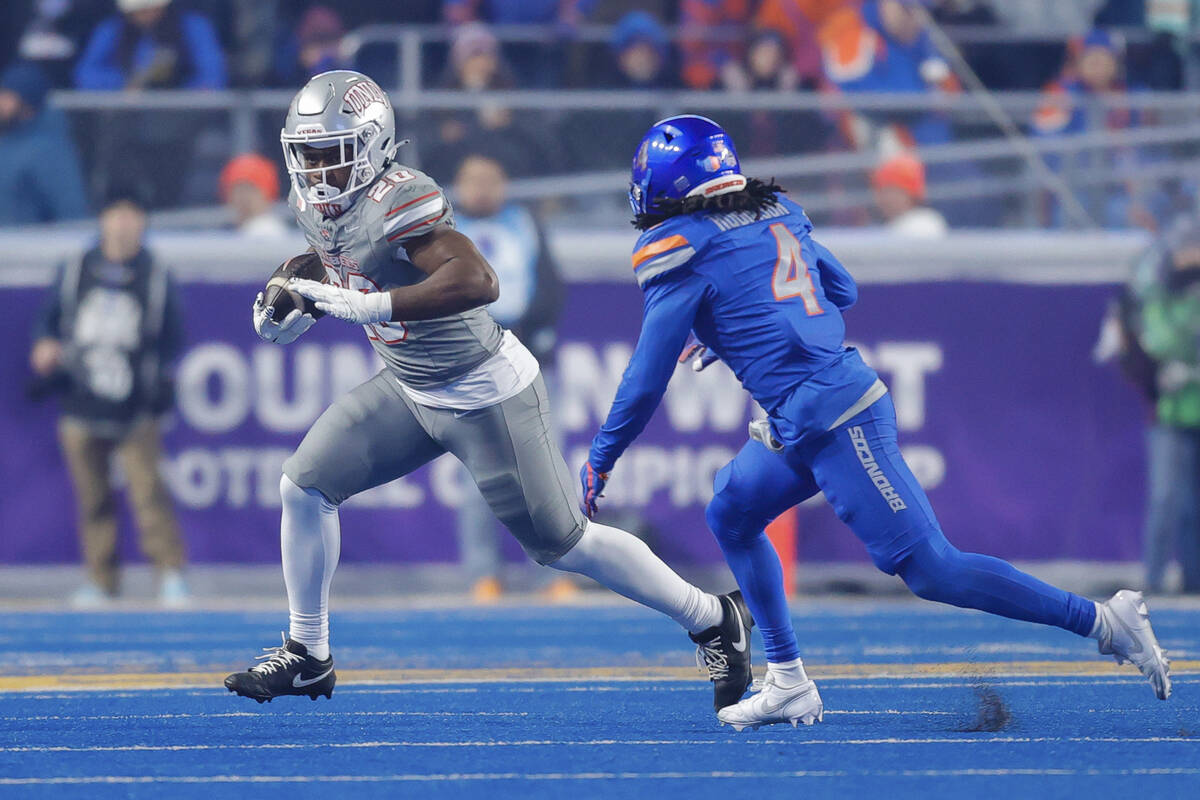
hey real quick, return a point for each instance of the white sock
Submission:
(1100, 626)
(787, 673)
(624, 563)
(311, 540)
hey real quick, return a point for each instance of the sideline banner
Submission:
(1027, 448)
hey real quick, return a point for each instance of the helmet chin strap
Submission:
(320, 191)
(330, 208)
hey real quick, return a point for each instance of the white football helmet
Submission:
(346, 110)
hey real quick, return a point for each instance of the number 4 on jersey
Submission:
(791, 278)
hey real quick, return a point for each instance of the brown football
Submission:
(283, 300)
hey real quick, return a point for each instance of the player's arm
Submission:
(837, 282)
(46, 353)
(460, 278)
(670, 310)
(414, 215)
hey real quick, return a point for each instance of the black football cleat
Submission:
(723, 651)
(287, 669)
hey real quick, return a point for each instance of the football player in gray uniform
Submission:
(454, 381)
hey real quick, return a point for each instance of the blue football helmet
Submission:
(683, 156)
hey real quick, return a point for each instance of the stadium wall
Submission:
(1028, 448)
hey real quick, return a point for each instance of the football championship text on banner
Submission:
(1027, 449)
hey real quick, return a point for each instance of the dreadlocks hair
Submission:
(755, 197)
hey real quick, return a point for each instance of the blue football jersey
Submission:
(765, 297)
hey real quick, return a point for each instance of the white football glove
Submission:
(760, 431)
(362, 308)
(286, 330)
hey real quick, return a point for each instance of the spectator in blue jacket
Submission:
(1073, 105)
(40, 180)
(890, 51)
(639, 56)
(152, 45)
(514, 12)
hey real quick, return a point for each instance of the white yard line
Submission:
(225, 714)
(581, 776)
(939, 740)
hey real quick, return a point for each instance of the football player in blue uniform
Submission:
(733, 262)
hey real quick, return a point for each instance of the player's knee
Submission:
(727, 514)
(290, 493)
(576, 549)
(933, 572)
(719, 515)
(920, 582)
(561, 546)
(294, 496)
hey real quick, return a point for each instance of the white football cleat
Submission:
(800, 703)
(1129, 637)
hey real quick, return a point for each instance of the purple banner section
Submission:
(1027, 448)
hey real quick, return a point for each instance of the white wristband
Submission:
(379, 306)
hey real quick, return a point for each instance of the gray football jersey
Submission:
(363, 249)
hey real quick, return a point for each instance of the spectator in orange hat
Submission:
(250, 188)
(899, 187)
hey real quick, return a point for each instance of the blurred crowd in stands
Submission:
(56, 166)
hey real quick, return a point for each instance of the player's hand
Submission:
(361, 308)
(698, 354)
(593, 488)
(46, 356)
(286, 330)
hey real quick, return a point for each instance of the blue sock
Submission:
(936, 570)
(755, 565)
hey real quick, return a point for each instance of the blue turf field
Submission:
(540, 703)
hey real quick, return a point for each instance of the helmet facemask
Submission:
(313, 177)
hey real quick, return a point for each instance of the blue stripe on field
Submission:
(553, 736)
(31, 643)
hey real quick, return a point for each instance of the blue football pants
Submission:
(863, 475)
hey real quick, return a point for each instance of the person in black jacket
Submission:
(105, 340)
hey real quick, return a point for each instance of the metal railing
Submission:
(32, 255)
(247, 121)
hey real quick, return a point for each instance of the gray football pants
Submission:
(375, 434)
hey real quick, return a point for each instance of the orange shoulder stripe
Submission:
(654, 248)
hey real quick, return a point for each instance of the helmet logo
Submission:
(361, 96)
(307, 130)
(723, 152)
(643, 155)
(722, 158)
